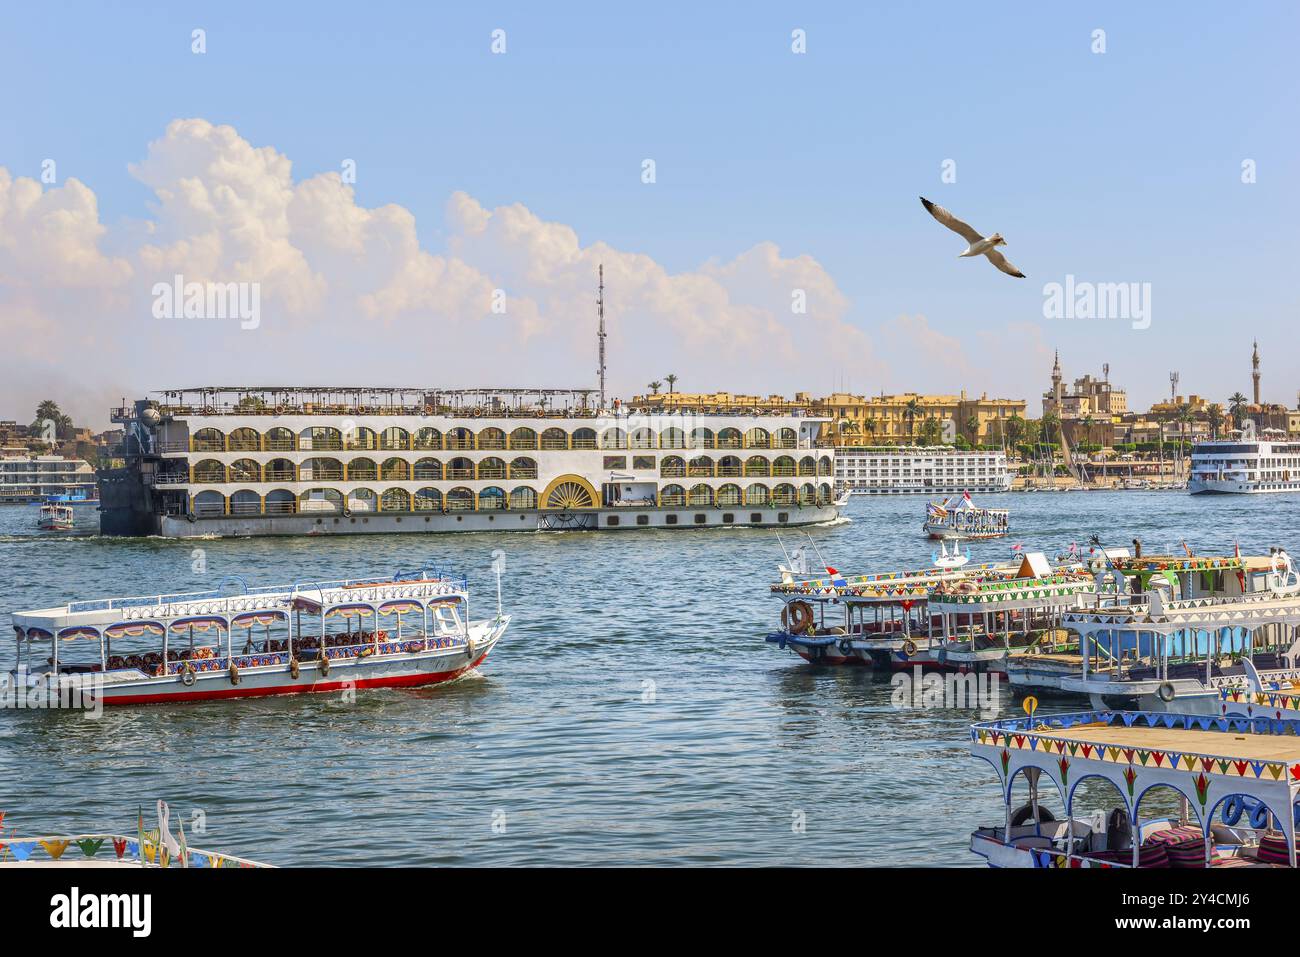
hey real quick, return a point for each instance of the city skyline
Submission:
(804, 186)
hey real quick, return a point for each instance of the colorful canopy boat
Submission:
(1235, 781)
(401, 630)
(1178, 655)
(1111, 623)
(963, 519)
(984, 620)
(882, 619)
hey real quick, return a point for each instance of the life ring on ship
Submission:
(347, 512)
(909, 647)
(799, 615)
(1025, 813)
(293, 668)
(187, 675)
(1166, 692)
(234, 673)
(428, 410)
(279, 410)
(324, 664)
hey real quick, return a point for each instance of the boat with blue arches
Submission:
(1234, 781)
(402, 629)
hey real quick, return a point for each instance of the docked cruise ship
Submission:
(1240, 465)
(329, 460)
(920, 470)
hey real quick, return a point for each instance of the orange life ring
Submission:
(797, 616)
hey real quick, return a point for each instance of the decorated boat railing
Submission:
(989, 591)
(883, 585)
(124, 849)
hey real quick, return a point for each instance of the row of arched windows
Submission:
(395, 438)
(364, 500)
(363, 469)
(756, 466)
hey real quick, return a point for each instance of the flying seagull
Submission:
(979, 246)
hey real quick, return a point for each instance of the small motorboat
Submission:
(56, 517)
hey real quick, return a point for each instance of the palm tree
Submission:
(1237, 407)
(655, 386)
(672, 379)
(973, 428)
(1015, 429)
(910, 412)
(930, 431)
(870, 426)
(49, 411)
(1214, 413)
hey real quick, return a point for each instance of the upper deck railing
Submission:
(220, 592)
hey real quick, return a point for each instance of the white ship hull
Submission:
(614, 519)
(1197, 486)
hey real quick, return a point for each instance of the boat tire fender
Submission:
(909, 647)
(1259, 816)
(234, 674)
(1166, 692)
(1025, 813)
(191, 517)
(187, 675)
(324, 664)
(846, 647)
(293, 668)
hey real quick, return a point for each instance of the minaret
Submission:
(1254, 370)
(1056, 383)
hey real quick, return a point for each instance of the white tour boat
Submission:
(1236, 790)
(1162, 653)
(280, 460)
(56, 517)
(400, 630)
(881, 619)
(1241, 465)
(985, 620)
(1123, 580)
(963, 519)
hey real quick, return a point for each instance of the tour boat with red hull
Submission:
(400, 630)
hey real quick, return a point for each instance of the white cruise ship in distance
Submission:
(333, 460)
(919, 470)
(1244, 465)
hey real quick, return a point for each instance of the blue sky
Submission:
(1123, 166)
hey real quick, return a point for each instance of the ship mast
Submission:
(600, 334)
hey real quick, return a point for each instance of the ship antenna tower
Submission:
(600, 333)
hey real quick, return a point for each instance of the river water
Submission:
(632, 715)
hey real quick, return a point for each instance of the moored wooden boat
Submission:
(1232, 778)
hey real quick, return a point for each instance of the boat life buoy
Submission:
(293, 669)
(909, 647)
(801, 616)
(428, 410)
(845, 646)
(1025, 813)
(347, 512)
(324, 664)
(234, 674)
(1166, 692)
(187, 675)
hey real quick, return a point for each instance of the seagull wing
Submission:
(951, 221)
(999, 260)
